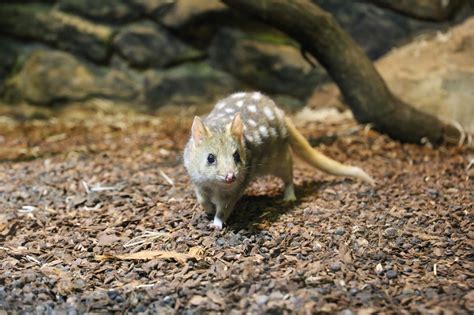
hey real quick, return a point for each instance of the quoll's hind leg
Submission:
(285, 172)
(205, 202)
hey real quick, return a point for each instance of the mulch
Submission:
(97, 214)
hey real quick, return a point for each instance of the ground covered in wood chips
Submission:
(97, 214)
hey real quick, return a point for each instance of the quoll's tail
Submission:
(303, 149)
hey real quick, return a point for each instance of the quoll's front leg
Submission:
(205, 202)
(223, 210)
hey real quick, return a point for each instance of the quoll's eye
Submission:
(237, 157)
(211, 159)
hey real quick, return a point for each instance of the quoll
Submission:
(245, 136)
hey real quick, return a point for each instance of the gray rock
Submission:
(184, 12)
(376, 30)
(272, 63)
(117, 11)
(50, 76)
(101, 10)
(261, 299)
(335, 266)
(391, 274)
(391, 233)
(68, 32)
(188, 84)
(339, 230)
(149, 45)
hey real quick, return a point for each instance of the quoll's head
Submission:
(218, 156)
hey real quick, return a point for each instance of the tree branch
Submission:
(361, 85)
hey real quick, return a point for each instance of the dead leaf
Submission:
(197, 300)
(366, 311)
(196, 251)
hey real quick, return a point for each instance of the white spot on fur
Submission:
(263, 131)
(256, 137)
(229, 110)
(220, 105)
(239, 103)
(256, 96)
(249, 138)
(268, 112)
(238, 95)
(252, 122)
(252, 108)
(272, 131)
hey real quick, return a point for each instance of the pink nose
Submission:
(230, 178)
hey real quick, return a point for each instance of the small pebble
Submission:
(390, 233)
(261, 299)
(346, 312)
(433, 193)
(168, 300)
(28, 298)
(391, 274)
(115, 296)
(335, 266)
(340, 231)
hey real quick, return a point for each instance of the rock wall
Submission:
(168, 52)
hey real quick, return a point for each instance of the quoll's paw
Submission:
(216, 224)
(289, 199)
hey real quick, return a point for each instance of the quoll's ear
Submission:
(199, 131)
(237, 127)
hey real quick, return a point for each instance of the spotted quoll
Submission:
(245, 136)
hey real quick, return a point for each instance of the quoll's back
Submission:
(265, 132)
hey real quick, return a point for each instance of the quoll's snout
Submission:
(230, 178)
